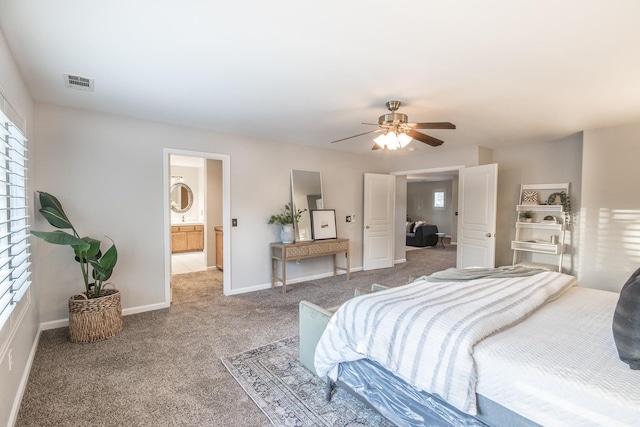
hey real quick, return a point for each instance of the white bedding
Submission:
(425, 332)
(560, 367)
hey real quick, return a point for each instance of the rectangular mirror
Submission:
(306, 193)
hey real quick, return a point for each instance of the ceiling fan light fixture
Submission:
(392, 140)
(404, 139)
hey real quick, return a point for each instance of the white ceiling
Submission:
(310, 72)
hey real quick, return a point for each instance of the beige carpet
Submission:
(164, 368)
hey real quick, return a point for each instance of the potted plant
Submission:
(96, 313)
(527, 216)
(287, 218)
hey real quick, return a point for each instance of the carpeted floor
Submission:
(164, 368)
(290, 395)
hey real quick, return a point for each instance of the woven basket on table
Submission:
(95, 319)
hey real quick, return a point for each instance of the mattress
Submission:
(560, 366)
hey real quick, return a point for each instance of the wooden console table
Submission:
(292, 251)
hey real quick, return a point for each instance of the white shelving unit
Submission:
(541, 236)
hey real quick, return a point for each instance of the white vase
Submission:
(286, 233)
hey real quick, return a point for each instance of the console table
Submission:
(292, 251)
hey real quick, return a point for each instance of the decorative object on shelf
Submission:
(561, 198)
(323, 224)
(549, 219)
(95, 314)
(527, 216)
(286, 219)
(529, 197)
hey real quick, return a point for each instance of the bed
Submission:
(541, 353)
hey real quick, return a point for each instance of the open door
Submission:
(379, 214)
(477, 222)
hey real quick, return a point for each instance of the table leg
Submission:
(273, 272)
(284, 276)
(348, 255)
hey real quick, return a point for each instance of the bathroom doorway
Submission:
(197, 215)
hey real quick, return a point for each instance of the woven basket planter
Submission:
(95, 319)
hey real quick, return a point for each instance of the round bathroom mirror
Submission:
(181, 197)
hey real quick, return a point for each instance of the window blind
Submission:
(14, 218)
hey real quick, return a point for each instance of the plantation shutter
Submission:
(14, 216)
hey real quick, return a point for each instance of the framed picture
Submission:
(323, 224)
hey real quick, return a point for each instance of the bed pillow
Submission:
(410, 226)
(626, 322)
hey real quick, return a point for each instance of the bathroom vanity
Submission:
(187, 238)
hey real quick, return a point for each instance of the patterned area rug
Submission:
(289, 394)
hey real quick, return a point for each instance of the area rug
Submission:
(290, 395)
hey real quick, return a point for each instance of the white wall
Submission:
(610, 207)
(19, 335)
(194, 178)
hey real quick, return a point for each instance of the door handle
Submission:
(367, 227)
(488, 234)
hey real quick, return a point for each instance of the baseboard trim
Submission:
(61, 323)
(17, 402)
(289, 282)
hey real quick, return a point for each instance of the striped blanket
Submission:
(424, 332)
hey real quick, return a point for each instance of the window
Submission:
(14, 217)
(439, 199)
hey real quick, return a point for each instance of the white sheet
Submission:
(560, 367)
(425, 332)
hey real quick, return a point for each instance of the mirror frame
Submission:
(189, 197)
(305, 233)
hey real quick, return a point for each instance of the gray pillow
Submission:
(626, 322)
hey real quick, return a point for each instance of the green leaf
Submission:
(87, 252)
(55, 218)
(109, 259)
(59, 237)
(49, 201)
(99, 272)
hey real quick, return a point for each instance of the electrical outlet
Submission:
(348, 219)
(353, 218)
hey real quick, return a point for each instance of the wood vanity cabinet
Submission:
(187, 238)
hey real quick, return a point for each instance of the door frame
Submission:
(226, 214)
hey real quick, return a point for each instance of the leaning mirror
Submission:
(306, 193)
(181, 197)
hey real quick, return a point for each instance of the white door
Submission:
(378, 223)
(477, 222)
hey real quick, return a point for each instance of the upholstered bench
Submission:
(313, 321)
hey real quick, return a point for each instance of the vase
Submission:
(94, 319)
(286, 233)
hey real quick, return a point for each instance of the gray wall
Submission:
(214, 207)
(121, 190)
(543, 163)
(420, 204)
(610, 208)
(19, 335)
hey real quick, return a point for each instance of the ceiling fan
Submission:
(397, 132)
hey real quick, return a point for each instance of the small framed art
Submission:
(323, 224)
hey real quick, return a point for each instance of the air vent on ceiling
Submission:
(78, 82)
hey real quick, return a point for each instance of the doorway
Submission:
(201, 223)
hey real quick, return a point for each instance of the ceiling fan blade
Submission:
(353, 136)
(434, 142)
(370, 124)
(432, 125)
